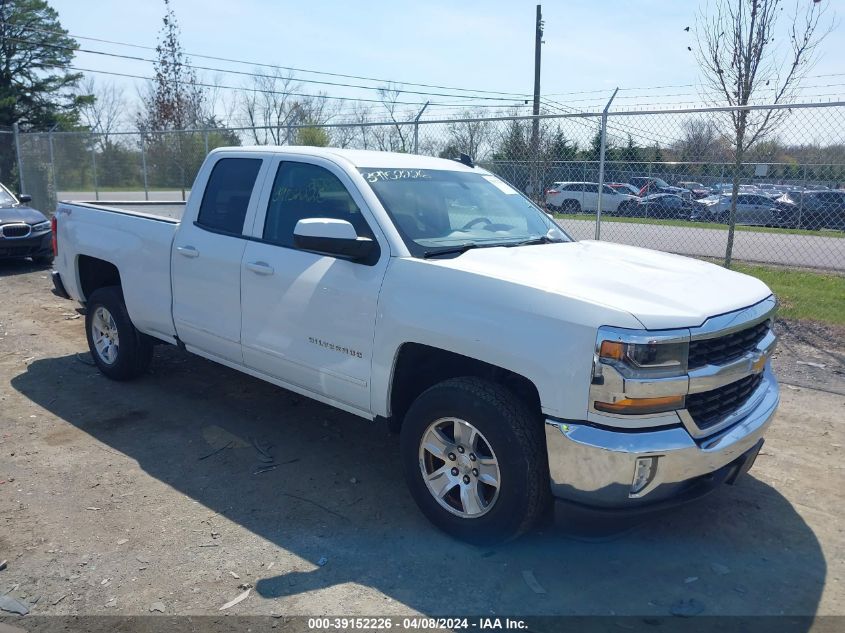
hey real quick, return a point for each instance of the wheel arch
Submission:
(418, 366)
(95, 273)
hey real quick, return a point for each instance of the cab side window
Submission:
(227, 193)
(302, 190)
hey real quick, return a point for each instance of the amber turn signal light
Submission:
(640, 406)
(612, 350)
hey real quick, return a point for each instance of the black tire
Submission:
(571, 206)
(134, 350)
(515, 435)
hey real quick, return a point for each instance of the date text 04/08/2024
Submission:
(413, 623)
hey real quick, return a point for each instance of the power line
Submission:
(276, 92)
(606, 91)
(647, 135)
(515, 95)
(259, 75)
(289, 68)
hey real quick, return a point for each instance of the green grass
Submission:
(699, 225)
(803, 294)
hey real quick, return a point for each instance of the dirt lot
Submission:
(143, 497)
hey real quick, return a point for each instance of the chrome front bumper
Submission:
(597, 466)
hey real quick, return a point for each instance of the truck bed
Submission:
(168, 211)
(135, 238)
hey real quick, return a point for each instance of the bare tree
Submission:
(361, 114)
(700, 140)
(740, 59)
(222, 105)
(398, 139)
(269, 108)
(106, 113)
(472, 135)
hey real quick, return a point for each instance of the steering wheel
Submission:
(472, 223)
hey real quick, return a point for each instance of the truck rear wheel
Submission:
(120, 351)
(475, 461)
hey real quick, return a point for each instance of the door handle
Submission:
(188, 251)
(260, 268)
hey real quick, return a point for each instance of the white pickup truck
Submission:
(517, 364)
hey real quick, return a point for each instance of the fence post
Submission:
(144, 170)
(53, 164)
(206, 142)
(417, 128)
(801, 199)
(16, 132)
(94, 167)
(602, 152)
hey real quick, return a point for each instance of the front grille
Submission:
(16, 230)
(711, 407)
(724, 349)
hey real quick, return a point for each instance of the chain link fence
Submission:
(666, 176)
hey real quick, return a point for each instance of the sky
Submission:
(591, 46)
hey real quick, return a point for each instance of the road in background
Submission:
(784, 249)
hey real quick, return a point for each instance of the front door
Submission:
(309, 319)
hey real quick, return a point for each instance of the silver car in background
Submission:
(752, 209)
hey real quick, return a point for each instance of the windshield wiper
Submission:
(537, 239)
(451, 250)
(542, 239)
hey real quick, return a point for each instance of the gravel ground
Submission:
(147, 497)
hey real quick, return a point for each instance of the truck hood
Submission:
(661, 290)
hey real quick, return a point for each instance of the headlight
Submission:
(642, 358)
(651, 358)
(41, 227)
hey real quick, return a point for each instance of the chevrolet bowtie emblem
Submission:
(758, 364)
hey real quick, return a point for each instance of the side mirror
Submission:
(332, 237)
(24, 198)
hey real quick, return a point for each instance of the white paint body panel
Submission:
(533, 310)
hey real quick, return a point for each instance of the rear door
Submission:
(744, 209)
(206, 257)
(573, 192)
(309, 319)
(764, 210)
(610, 199)
(591, 196)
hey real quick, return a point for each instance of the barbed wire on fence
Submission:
(790, 209)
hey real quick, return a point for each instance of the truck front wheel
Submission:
(475, 461)
(120, 351)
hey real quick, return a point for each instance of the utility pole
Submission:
(535, 122)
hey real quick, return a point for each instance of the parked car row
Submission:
(756, 205)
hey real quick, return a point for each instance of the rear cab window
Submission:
(227, 194)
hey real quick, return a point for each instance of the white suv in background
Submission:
(574, 197)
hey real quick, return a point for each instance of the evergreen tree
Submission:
(36, 89)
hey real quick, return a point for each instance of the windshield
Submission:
(434, 209)
(660, 182)
(6, 198)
